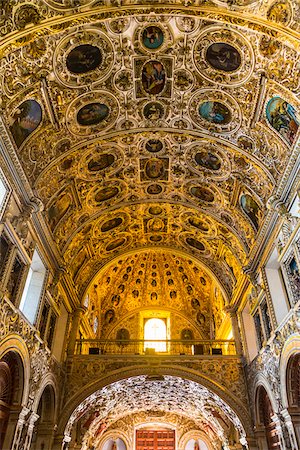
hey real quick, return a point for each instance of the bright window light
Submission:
(155, 329)
(3, 193)
(33, 288)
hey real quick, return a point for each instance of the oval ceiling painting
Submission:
(153, 77)
(58, 209)
(25, 120)
(115, 244)
(106, 193)
(92, 114)
(251, 208)
(202, 193)
(154, 168)
(152, 37)
(154, 189)
(153, 111)
(155, 238)
(111, 224)
(222, 56)
(101, 162)
(84, 58)
(196, 244)
(208, 160)
(283, 117)
(198, 223)
(154, 146)
(155, 210)
(215, 112)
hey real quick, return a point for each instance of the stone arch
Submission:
(12, 386)
(267, 434)
(45, 406)
(290, 351)
(194, 434)
(237, 406)
(113, 435)
(290, 382)
(15, 344)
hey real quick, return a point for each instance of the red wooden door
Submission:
(155, 440)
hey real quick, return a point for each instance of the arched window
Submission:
(155, 329)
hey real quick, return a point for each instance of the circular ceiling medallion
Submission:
(100, 162)
(204, 157)
(153, 77)
(195, 244)
(155, 168)
(114, 245)
(83, 58)
(153, 111)
(208, 160)
(155, 210)
(123, 80)
(223, 56)
(155, 238)
(154, 145)
(250, 208)
(152, 37)
(94, 112)
(215, 111)
(198, 223)
(202, 193)
(106, 193)
(183, 80)
(111, 224)
(154, 189)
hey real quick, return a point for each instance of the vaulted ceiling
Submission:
(152, 126)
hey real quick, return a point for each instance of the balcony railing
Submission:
(155, 347)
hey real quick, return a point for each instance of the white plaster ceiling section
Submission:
(169, 394)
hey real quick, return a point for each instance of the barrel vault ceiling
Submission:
(149, 126)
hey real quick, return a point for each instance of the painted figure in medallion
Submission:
(25, 120)
(283, 117)
(152, 37)
(153, 77)
(215, 112)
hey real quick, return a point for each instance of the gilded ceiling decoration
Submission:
(150, 284)
(158, 129)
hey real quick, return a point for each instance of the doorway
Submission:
(155, 440)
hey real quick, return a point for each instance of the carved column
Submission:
(74, 329)
(31, 421)
(8, 267)
(261, 438)
(283, 444)
(235, 331)
(290, 428)
(252, 444)
(65, 443)
(19, 428)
